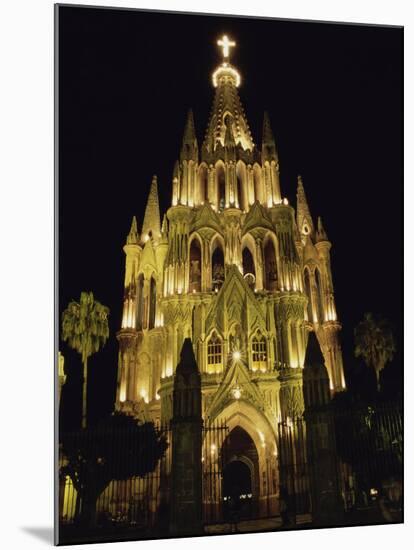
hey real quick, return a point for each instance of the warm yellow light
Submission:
(157, 396)
(226, 44)
(237, 392)
(236, 355)
(262, 438)
(146, 238)
(285, 201)
(213, 448)
(226, 69)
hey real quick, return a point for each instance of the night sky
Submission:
(334, 96)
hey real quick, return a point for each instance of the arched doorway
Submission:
(240, 487)
(237, 490)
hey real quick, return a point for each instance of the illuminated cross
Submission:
(226, 44)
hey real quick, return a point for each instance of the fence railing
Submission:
(366, 445)
(133, 500)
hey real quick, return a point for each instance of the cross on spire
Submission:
(226, 44)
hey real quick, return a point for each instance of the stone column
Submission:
(186, 426)
(327, 505)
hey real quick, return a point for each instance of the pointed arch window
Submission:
(214, 353)
(259, 352)
(217, 266)
(152, 303)
(221, 188)
(241, 186)
(140, 300)
(270, 266)
(203, 183)
(257, 178)
(249, 271)
(308, 294)
(195, 266)
(319, 290)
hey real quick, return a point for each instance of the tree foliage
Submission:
(85, 329)
(85, 325)
(374, 342)
(118, 448)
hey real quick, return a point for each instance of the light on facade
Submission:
(237, 392)
(236, 355)
(285, 201)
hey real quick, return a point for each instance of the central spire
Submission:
(227, 114)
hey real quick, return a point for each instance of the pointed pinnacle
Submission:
(267, 129)
(164, 227)
(189, 130)
(321, 233)
(302, 208)
(132, 237)
(152, 212)
(269, 151)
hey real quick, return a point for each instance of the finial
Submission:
(225, 69)
(189, 131)
(304, 218)
(321, 234)
(269, 151)
(226, 44)
(189, 149)
(164, 227)
(151, 224)
(133, 232)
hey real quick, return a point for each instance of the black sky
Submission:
(126, 81)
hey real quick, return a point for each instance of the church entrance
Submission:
(240, 487)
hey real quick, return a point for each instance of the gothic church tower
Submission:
(237, 270)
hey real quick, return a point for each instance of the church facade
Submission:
(242, 273)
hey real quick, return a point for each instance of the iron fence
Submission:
(365, 444)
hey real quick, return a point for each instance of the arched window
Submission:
(217, 266)
(140, 300)
(221, 187)
(259, 353)
(270, 266)
(257, 178)
(203, 183)
(249, 271)
(319, 290)
(152, 303)
(308, 294)
(241, 183)
(195, 266)
(214, 354)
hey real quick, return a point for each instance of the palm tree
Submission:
(374, 342)
(85, 329)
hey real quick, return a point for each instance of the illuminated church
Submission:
(238, 270)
